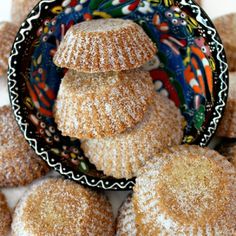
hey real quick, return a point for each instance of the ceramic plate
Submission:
(190, 68)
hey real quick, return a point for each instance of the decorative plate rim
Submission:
(116, 184)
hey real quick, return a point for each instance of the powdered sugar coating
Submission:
(62, 207)
(5, 216)
(10, 134)
(7, 35)
(102, 104)
(103, 25)
(104, 45)
(186, 190)
(227, 127)
(125, 225)
(19, 165)
(122, 156)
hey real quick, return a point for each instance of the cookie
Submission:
(7, 36)
(227, 126)
(5, 216)
(20, 9)
(125, 222)
(122, 156)
(104, 45)
(103, 104)
(19, 165)
(187, 190)
(62, 207)
(225, 26)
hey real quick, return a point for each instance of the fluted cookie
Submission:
(19, 165)
(7, 35)
(104, 45)
(5, 216)
(20, 9)
(125, 222)
(227, 127)
(121, 156)
(62, 207)
(188, 190)
(102, 104)
(225, 25)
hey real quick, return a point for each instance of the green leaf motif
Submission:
(199, 117)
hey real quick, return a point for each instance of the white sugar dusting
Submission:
(102, 25)
(150, 201)
(126, 219)
(109, 102)
(134, 147)
(102, 46)
(48, 206)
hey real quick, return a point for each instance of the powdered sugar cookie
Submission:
(122, 156)
(19, 165)
(103, 104)
(125, 225)
(104, 45)
(62, 207)
(187, 190)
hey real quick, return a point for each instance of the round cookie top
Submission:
(103, 25)
(193, 189)
(62, 207)
(5, 216)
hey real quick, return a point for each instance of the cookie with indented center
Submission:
(186, 190)
(62, 207)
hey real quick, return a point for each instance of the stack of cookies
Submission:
(108, 102)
